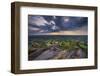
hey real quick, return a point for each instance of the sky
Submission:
(57, 25)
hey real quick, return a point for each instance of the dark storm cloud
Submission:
(49, 24)
(72, 23)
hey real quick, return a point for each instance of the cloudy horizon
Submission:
(57, 25)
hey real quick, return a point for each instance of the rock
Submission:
(54, 52)
(80, 53)
(48, 54)
(35, 53)
(77, 53)
(61, 55)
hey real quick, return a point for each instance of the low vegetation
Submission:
(63, 44)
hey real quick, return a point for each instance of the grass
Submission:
(63, 44)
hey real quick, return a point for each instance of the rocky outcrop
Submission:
(76, 53)
(35, 53)
(51, 52)
(54, 52)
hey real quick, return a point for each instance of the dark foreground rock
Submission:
(35, 53)
(77, 53)
(49, 54)
(54, 52)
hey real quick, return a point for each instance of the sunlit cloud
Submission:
(37, 20)
(66, 19)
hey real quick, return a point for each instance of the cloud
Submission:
(31, 28)
(66, 19)
(62, 25)
(72, 23)
(37, 20)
